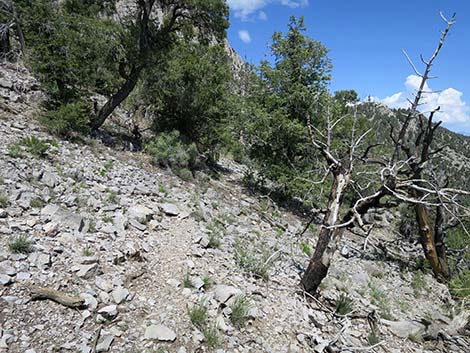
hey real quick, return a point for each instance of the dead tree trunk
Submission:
(329, 235)
(427, 240)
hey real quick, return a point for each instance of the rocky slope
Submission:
(133, 248)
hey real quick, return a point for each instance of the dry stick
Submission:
(361, 349)
(38, 293)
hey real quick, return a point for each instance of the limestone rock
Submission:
(160, 332)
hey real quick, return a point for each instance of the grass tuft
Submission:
(239, 308)
(20, 245)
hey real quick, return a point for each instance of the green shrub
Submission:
(4, 201)
(14, 150)
(239, 314)
(344, 305)
(418, 283)
(31, 144)
(379, 298)
(36, 203)
(68, 119)
(259, 263)
(20, 245)
(168, 150)
(306, 249)
(211, 336)
(198, 314)
(460, 286)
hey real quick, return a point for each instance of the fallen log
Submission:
(38, 293)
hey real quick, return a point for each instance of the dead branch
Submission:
(38, 293)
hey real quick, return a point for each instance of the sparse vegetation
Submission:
(379, 298)
(418, 283)
(187, 282)
(460, 286)
(20, 244)
(34, 146)
(36, 203)
(198, 314)
(88, 251)
(211, 336)
(108, 219)
(4, 201)
(208, 282)
(168, 150)
(106, 168)
(112, 197)
(373, 337)
(239, 308)
(306, 249)
(259, 263)
(344, 305)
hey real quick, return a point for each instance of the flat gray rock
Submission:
(104, 343)
(224, 292)
(160, 332)
(170, 209)
(120, 294)
(140, 212)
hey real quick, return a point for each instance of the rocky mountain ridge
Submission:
(120, 252)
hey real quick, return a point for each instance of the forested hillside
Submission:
(158, 194)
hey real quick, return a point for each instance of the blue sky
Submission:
(365, 38)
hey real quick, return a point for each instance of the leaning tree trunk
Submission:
(116, 99)
(329, 237)
(428, 242)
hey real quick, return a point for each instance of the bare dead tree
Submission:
(401, 176)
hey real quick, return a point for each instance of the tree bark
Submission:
(329, 237)
(117, 98)
(427, 240)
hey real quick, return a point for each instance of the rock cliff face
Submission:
(116, 253)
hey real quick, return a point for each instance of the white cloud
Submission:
(454, 111)
(243, 9)
(244, 36)
(262, 16)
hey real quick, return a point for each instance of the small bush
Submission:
(258, 263)
(4, 201)
(344, 305)
(36, 203)
(239, 315)
(418, 283)
(306, 249)
(208, 282)
(211, 336)
(31, 144)
(112, 197)
(106, 168)
(380, 299)
(14, 150)
(108, 219)
(187, 282)
(88, 251)
(373, 338)
(68, 119)
(20, 245)
(198, 314)
(169, 151)
(460, 286)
